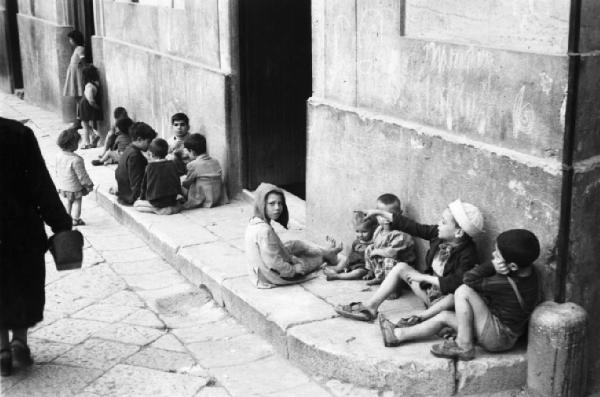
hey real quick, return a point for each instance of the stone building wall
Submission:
(162, 57)
(435, 100)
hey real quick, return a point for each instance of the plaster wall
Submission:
(434, 100)
(157, 61)
(5, 83)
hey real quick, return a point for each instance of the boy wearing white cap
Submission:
(451, 253)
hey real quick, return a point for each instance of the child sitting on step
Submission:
(160, 187)
(120, 142)
(451, 253)
(493, 306)
(351, 265)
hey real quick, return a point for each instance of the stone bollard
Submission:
(556, 352)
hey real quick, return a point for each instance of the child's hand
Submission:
(502, 268)
(416, 278)
(371, 213)
(369, 276)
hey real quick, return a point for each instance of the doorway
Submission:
(13, 49)
(84, 22)
(276, 81)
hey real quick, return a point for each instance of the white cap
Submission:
(467, 216)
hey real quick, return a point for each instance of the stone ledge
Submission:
(299, 321)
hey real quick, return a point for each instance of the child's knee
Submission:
(463, 291)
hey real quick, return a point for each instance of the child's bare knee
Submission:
(463, 291)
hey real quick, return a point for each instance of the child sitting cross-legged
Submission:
(203, 183)
(451, 253)
(351, 265)
(493, 306)
(389, 245)
(160, 186)
(132, 164)
(120, 142)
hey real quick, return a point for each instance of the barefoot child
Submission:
(389, 246)
(72, 180)
(492, 307)
(351, 265)
(160, 186)
(451, 253)
(132, 164)
(118, 113)
(120, 142)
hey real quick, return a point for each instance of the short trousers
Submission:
(71, 196)
(495, 336)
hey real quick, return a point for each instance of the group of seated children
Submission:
(486, 304)
(149, 168)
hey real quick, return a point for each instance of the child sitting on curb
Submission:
(160, 186)
(180, 124)
(118, 113)
(203, 183)
(492, 307)
(132, 164)
(351, 265)
(389, 245)
(451, 253)
(120, 142)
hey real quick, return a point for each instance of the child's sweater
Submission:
(71, 175)
(160, 185)
(129, 174)
(500, 296)
(204, 182)
(462, 257)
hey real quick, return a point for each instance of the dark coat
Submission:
(129, 174)
(28, 198)
(462, 258)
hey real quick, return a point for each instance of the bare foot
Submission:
(331, 276)
(375, 281)
(330, 253)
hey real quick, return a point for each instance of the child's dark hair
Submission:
(159, 148)
(89, 74)
(180, 117)
(77, 37)
(124, 124)
(518, 246)
(120, 113)
(68, 139)
(141, 130)
(392, 201)
(195, 142)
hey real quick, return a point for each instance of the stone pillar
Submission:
(556, 354)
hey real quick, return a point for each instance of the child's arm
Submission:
(90, 94)
(136, 170)
(404, 224)
(476, 277)
(272, 255)
(82, 175)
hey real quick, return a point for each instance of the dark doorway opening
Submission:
(84, 22)
(13, 48)
(276, 81)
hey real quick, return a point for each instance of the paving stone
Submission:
(124, 298)
(308, 389)
(188, 309)
(91, 257)
(131, 255)
(151, 281)
(168, 342)
(104, 312)
(179, 234)
(132, 334)
(238, 350)
(96, 282)
(223, 329)
(141, 267)
(212, 391)
(65, 303)
(145, 318)
(50, 316)
(97, 353)
(127, 380)
(118, 242)
(42, 380)
(153, 297)
(163, 360)
(260, 377)
(44, 351)
(69, 330)
(353, 351)
(219, 259)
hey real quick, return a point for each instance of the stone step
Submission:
(206, 246)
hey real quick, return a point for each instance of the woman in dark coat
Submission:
(28, 198)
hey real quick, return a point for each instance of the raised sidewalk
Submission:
(206, 246)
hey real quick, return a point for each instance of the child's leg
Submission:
(471, 315)
(76, 209)
(144, 206)
(356, 274)
(20, 334)
(67, 203)
(445, 303)
(87, 132)
(388, 286)
(427, 328)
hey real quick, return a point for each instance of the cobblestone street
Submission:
(128, 324)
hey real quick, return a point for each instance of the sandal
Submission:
(78, 222)
(355, 311)
(409, 321)
(21, 355)
(5, 362)
(450, 349)
(387, 332)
